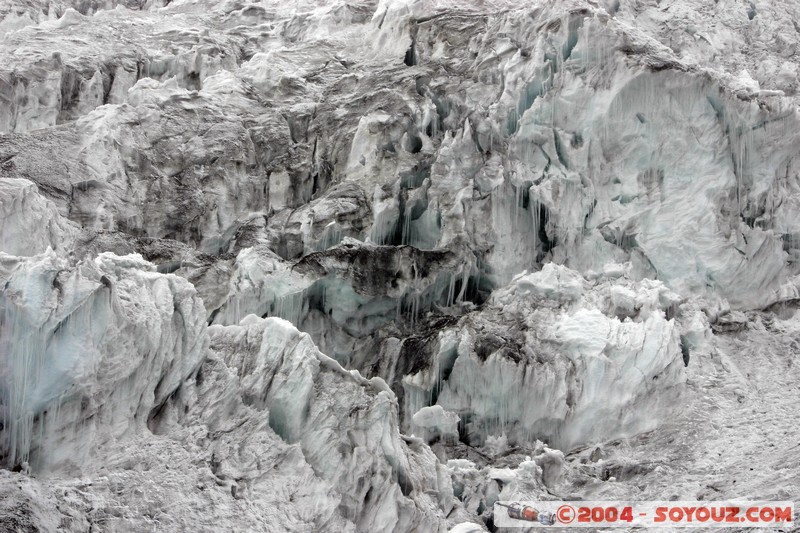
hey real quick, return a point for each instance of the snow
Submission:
(466, 527)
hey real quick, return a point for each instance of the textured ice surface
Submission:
(342, 425)
(88, 352)
(547, 250)
(581, 361)
(436, 421)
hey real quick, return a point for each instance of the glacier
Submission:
(376, 265)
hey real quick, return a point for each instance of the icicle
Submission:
(406, 236)
(465, 272)
(451, 290)
(22, 372)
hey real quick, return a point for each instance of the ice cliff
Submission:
(371, 266)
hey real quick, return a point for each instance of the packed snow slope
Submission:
(372, 266)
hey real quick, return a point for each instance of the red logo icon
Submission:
(565, 514)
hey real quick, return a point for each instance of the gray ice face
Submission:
(373, 266)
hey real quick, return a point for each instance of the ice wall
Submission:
(557, 358)
(88, 350)
(30, 224)
(344, 426)
(108, 366)
(522, 218)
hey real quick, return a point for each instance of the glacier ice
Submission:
(88, 351)
(435, 420)
(375, 265)
(590, 360)
(344, 425)
(24, 211)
